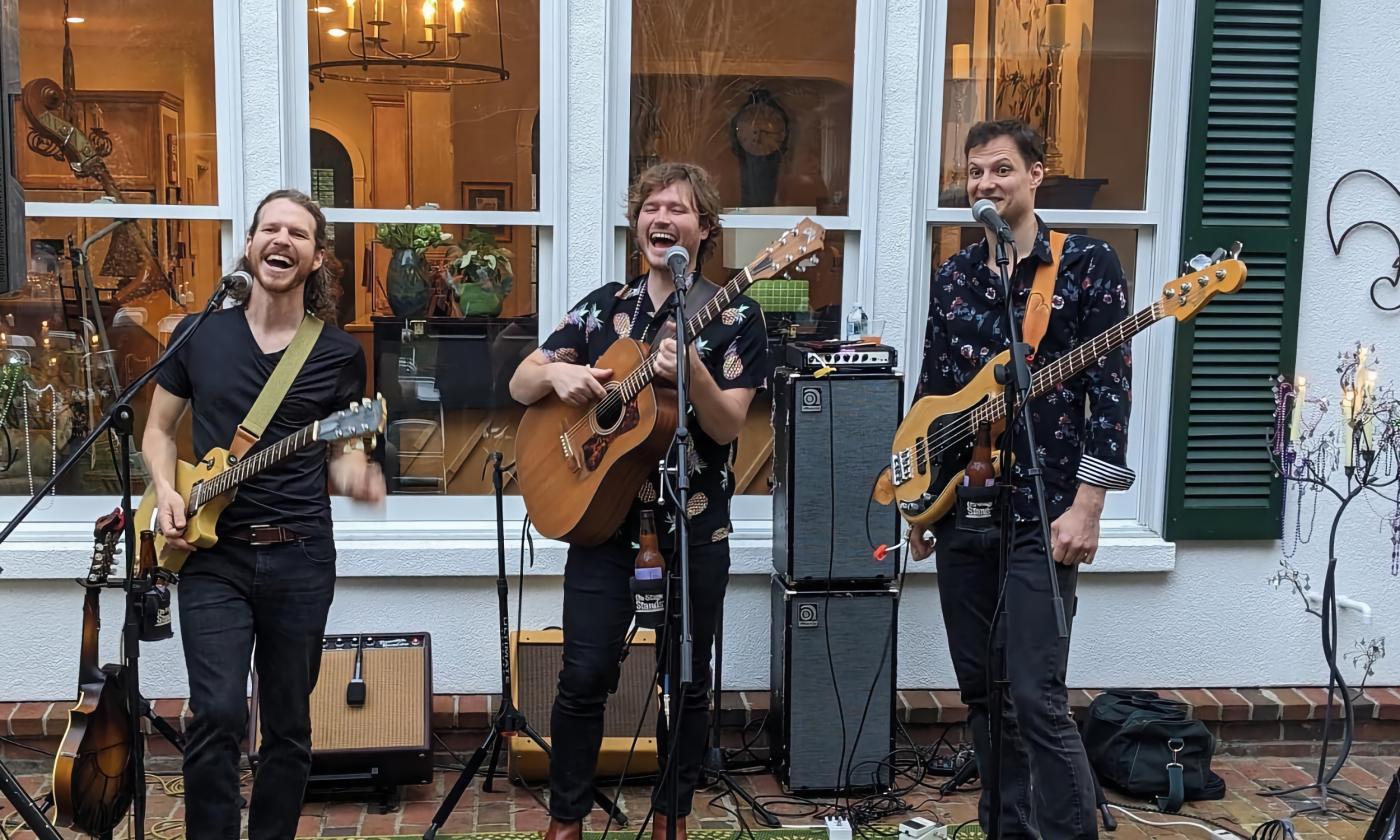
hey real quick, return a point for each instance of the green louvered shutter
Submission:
(1247, 180)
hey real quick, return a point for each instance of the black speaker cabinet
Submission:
(830, 735)
(831, 438)
(383, 742)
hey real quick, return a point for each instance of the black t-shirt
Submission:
(222, 370)
(734, 348)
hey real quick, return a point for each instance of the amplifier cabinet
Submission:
(384, 742)
(536, 656)
(831, 438)
(816, 635)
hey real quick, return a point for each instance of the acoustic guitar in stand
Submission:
(581, 467)
(92, 770)
(936, 441)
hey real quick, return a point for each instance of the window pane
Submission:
(74, 344)
(1080, 73)
(142, 102)
(762, 99)
(443, 355)
(463, 137)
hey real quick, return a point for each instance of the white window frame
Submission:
(858, 266)
(228, 129)
(1139, 511)
(476, 510)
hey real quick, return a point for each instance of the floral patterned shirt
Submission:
(967, 327)
(734, 349)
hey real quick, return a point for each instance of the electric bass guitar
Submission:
(581, 467)
(92, 770)
(210, 485)
(936, 439)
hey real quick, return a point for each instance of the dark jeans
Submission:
(231, 596)
(597, 613)
(1048, 789)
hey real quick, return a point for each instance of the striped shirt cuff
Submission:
(1103, 474)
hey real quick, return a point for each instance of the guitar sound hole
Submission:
(608, 412)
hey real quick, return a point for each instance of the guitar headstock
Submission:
(106, 537)
(1221, 273)
(804, 240)
(362, 423)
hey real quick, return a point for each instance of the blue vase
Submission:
(407, 284)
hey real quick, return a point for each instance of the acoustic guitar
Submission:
(92, 771)
(581, 467)
(936, 440)
(211, 484)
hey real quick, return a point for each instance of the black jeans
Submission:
(1048, 788)
(597, 613)
(232, 596)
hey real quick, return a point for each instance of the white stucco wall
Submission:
(1151, 614)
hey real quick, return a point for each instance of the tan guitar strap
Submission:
(1037, 317)
(278, 384)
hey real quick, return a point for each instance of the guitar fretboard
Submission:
(254, 464)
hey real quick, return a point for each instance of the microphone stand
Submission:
(120, 418)
(1015, 379)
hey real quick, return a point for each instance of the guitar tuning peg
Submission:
(1235, 248)
(1217, 255)
(1198, 262)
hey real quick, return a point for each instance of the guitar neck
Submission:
(1076, 360)
(642, 376)
(250, 466)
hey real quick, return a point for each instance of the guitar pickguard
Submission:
(597, 445)
(936, 471)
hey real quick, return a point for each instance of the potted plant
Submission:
(483, 272)
(406, 284)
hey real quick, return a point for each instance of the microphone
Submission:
(678, 258)
(236, 283)
(985, 211)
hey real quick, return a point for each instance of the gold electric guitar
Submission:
(209, 485)
(936, 440)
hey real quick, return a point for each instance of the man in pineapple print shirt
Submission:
(669, 204)
(1081, 430)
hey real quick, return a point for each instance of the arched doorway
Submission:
(333, 185)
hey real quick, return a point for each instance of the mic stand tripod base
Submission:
(714, 765)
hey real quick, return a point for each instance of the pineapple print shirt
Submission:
(734, 349)
(1081, 426)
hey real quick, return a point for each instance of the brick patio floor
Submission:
(514, 808)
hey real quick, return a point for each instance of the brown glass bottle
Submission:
(980, 472)
(648, 577)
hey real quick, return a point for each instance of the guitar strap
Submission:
(1038, 309)
(277, 386)
(699, 294)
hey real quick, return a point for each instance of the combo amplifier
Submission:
(376, 734)
(831, 687)
(536, 656)
(832, 436)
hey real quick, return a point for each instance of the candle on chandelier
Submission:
(350, 14)
(459, 15)
(1295, 420)
(429, 13)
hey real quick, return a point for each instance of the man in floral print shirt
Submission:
(1081, 428)
(669, 204)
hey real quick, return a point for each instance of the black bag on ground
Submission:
(1147, 746)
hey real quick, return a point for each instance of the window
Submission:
(426, 117)
(765, 102)
(125, 222)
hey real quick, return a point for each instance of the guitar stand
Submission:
(508, 720)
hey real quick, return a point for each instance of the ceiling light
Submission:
(336, 32)
(322, 10)
(75, 19)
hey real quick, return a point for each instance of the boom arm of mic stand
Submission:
(121, 406)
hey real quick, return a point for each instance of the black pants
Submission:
(597, 612)
(232, 596)
(1048, 789)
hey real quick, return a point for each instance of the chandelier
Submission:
(385, 41)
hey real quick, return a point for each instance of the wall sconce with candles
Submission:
(1349, 455)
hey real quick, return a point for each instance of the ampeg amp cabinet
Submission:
(535, 658)
(374, 731)
(808, 709)
(808, 356)
(832, 435)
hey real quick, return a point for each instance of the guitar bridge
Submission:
(901, 467)
(570, 456)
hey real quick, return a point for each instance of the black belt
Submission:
(264, 535)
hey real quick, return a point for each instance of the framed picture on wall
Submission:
(489, 197)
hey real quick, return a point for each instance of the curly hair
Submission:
(321, 292)
(702, 186)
